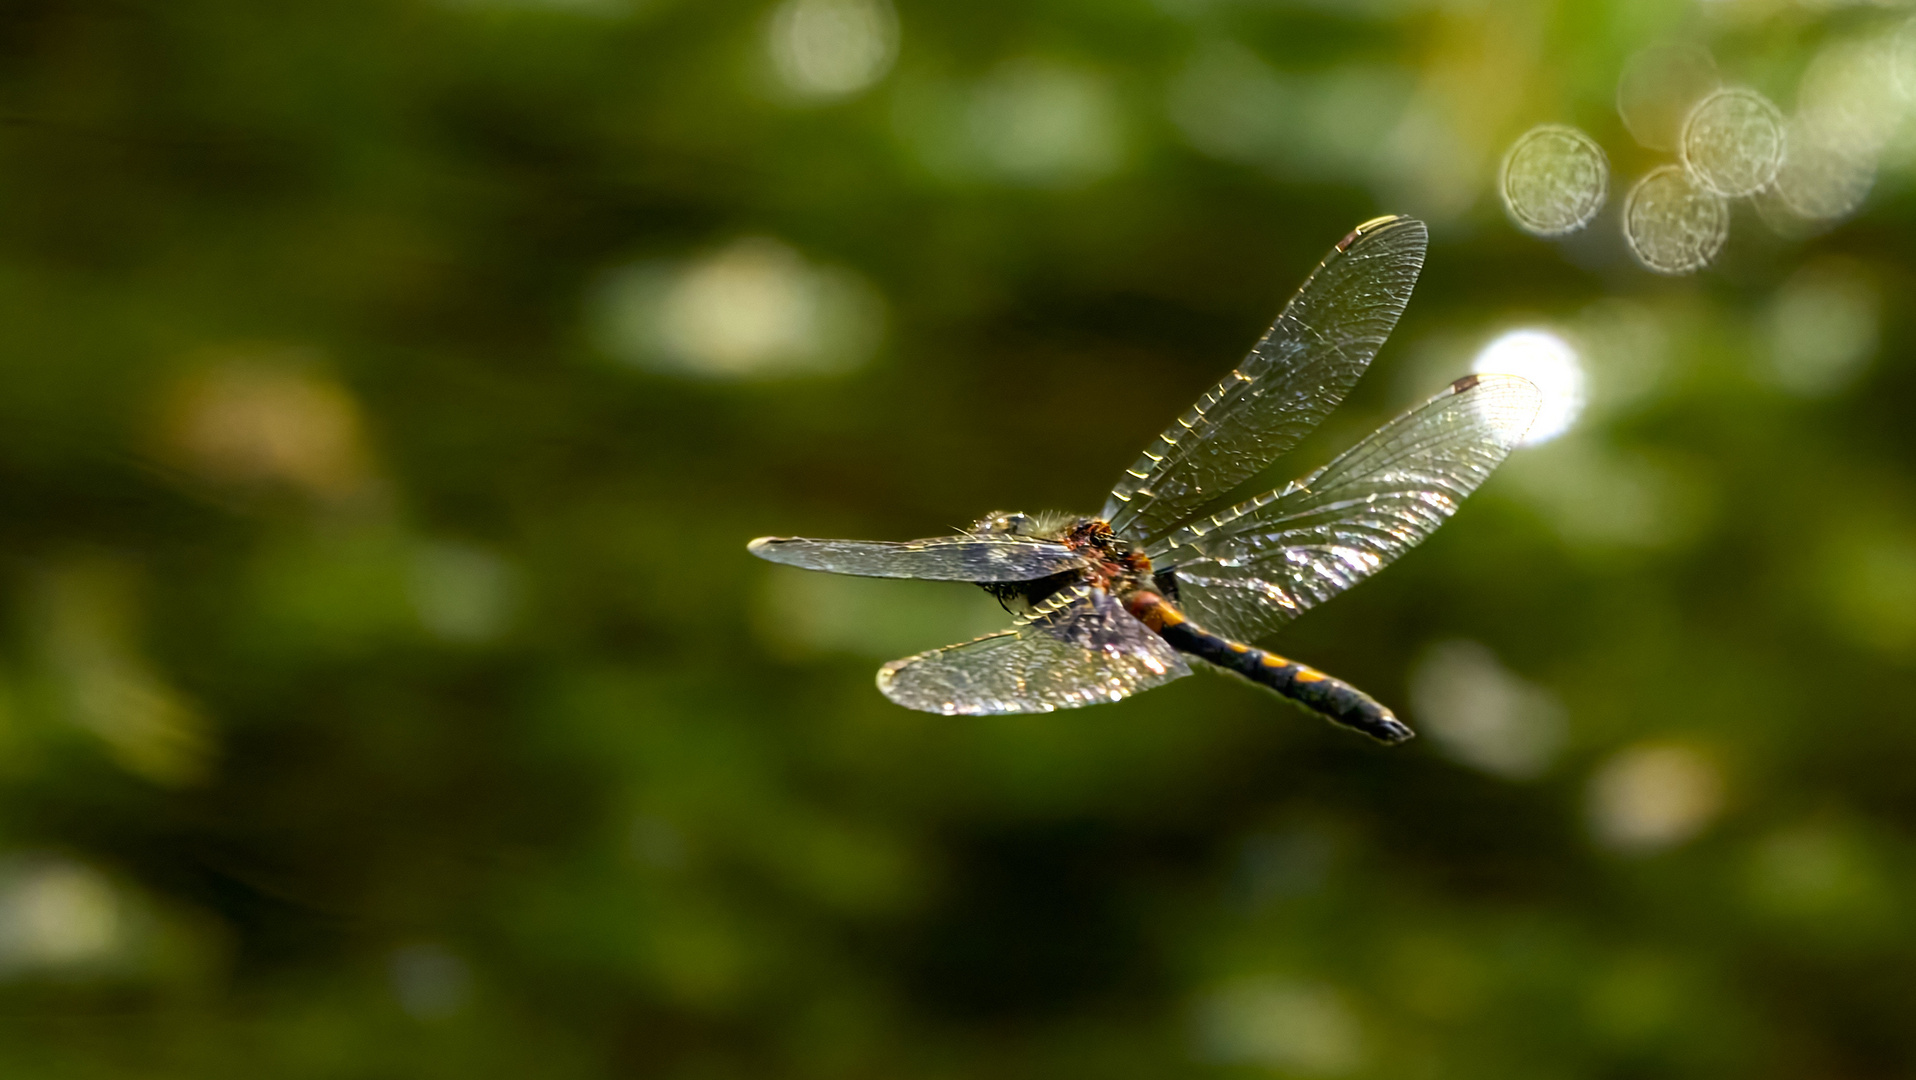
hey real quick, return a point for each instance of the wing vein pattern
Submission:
(1248, 570)
(942, 558)
(1305, 364)
(1079, 647)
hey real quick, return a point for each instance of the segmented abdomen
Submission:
(1335, 699)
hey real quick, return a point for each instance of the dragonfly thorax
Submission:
(1111, 564)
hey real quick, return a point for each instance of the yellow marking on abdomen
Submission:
(1150, 609)
(1305, 674)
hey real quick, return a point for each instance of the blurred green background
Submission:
(388, 389)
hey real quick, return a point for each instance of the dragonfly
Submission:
(1161, 578)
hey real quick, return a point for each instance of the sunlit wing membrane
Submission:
(1306, 363)
(1247, 571)
(943, 558)
(1080, 647)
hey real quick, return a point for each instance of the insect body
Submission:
(1109, 605)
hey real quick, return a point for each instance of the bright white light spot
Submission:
(1553, 180)
(1046, 124)
(1300, 1027)
(1673, 224)
(1658, 88)
(825, 49)
(56, 913)
(1547, 361)
(1483, 715)
(1654, 796)
(1823, 327)
(430, 981)
(752, 309)
(1733, 142)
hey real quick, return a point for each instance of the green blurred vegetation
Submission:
(388, 389)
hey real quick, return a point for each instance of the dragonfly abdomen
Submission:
(1333, 698)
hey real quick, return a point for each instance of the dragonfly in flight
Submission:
(1110, 605)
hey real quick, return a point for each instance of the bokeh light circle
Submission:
(1902, 55)
(1850, 94)
(1657, 89)
(1823, 178)
(1553, 180)
(1673, 224)
(1549, 362)
(1733, 142)
(826, 49)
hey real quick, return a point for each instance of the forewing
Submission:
(1249, 570)
(943, 558)
(1080, 647)
(1308, 360)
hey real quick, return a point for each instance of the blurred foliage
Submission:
(388, 389)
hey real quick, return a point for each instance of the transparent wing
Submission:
(943, 558)
(1079, 647)
(1247, 571)
(1306, 363)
